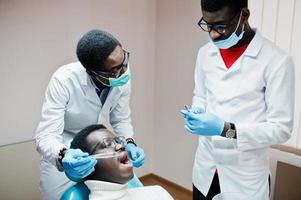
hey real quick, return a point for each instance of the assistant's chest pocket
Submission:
(252, 87)
(225, 150)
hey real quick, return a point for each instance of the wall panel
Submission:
(295, 51)
(279, 21)
(269, 19)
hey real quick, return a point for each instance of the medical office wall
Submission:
(280, 21)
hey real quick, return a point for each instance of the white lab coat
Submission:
(257, 94)
(71, 103)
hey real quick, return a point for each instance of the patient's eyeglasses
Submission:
(110, 143)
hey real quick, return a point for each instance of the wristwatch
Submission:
(59, 159)
(130, 140)
(231, 132)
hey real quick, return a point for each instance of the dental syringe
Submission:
(106, 155)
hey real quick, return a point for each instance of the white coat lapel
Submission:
(112, 97)
(216, 58)
(88, 88)
(91, 95)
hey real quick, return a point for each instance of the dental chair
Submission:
(80, 191)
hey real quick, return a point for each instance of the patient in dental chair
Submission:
(113, 169)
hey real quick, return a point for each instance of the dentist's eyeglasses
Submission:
(116, 71)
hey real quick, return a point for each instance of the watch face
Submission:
(230, 133)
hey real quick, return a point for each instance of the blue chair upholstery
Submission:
(80, 191)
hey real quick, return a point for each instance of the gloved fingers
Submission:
(132, 151)
(184, 112)
(76, 175)
(193, 122)
(193, 110)
(188, 129)
(87, 166)
(191, 127)
(139, 161)
(197, 110)
(87, 172)
(140, 153)
(133, 154)
(77, 153)
(81, 161)
(194, 116)
(138, 164)
(187, 121)
(73, 176)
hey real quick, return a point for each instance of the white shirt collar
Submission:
(107, 190)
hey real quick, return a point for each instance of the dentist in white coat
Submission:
(243, 103)
(94, 90)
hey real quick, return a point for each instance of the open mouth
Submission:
(124, 159)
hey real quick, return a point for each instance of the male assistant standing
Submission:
(243, 103)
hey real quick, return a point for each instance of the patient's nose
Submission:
(119, 147)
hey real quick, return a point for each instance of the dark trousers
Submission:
(213, 190)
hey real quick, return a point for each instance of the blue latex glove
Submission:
(203, 123)
(136, 154)
(78, 164)
(196, 110)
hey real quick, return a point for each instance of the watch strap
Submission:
(60, 158)
(130, 140)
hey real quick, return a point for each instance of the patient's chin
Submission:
(126, 175)
(126, 178)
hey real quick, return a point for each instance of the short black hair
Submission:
(94, 47)
(79, 141)
(215, 5)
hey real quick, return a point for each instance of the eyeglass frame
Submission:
(117, 69)
(122, 141)
(211, 27)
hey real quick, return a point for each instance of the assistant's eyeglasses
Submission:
(220, 28)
